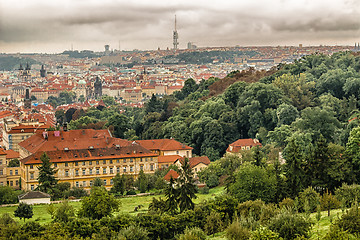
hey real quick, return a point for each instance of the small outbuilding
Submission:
(34, 197)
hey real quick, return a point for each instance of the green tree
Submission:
(142, 181)
(14, 163)
(213, 223)
(236, 231)
(328, 202)
(120, 124)
(99, 204)
(119, 184)
(64, 212)
(187, 187)
(24, 211)
(133, 232)
(192, 234)
(108, 100)
(7, 195)
(46, 178)
(353, 152)
(171, 194)
(98, 182)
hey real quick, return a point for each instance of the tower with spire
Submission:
(42, 71)
(175, 37)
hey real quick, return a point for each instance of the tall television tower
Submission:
(175, 37)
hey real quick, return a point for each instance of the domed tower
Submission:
(42, 71)
(97, 88)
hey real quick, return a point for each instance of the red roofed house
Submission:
(164, 147)
(172, 173)
(242, 144)
(166, 161)
(196, 163)
(9, 175)
(81, 155)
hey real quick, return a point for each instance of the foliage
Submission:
(134, 232)
(213, 223)
(64, 212)
(253, 182)
(310, 199)
(237, 232)
(289, 225)
(8, 195)
(348, 194)
(99, 204)
(328, 202)
(46, 178)
(14, 163)
(186, 187)
(192, 234)
(98, 182)
(172, 195)
(350, 221)
(264, 233)
(118, 184)
(24, 211)
(336, 233)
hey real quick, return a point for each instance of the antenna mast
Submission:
(175, 37)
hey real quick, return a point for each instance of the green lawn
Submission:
(128, 205)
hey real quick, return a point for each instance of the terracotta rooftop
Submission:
(65, 155)
(172, 173)
(72, 139)
(237, 145)
(168, 158)
(196, 160)
(11, 154)
(163, 144)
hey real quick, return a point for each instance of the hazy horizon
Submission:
(40, 26)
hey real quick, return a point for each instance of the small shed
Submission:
(34, 197)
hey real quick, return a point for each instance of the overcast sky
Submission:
(54, 25)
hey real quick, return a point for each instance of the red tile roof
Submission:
(196, 160)
(73, 139)
(168, 159)
(11, 154)
(163, 144)
(64, 155)
(28, 128)
(237, 145)
(172, 173)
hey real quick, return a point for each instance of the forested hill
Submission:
(315, 96)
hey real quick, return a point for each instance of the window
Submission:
(111, 162)
(83, 163)
(104, 170)
(104, 181)
(66, 164)
(55, 164)
(76, 164)
(84, 183)
(151, 159)
(177, 152)
(31, 166)
(98, 171)
(31, 175)
(187, 153)
(151, 167)
(16, 172)
(1, 172)
(111, 170)
(124, 161)
(111, 182)
(77, 184)
(90, 171)
(141, 167)
(90, 183)
(104, 161)
(10, 172)
(0, 162)
(32, 187)
(195, 169)
(84, 171)
(118, 170)
(11, 183)
(140, 159)
(131, 159)
(76, 172)
(90, 162)
(131, 169)
(117, 161)
(66, 173)
(97, 162)
(124, 169)
(17, 183)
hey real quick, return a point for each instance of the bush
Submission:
(337, 233)
(265, 234)
(348, 194)
(287, 203)
(350, 221)
(290, 225)
(134, 232)
(8, 195)
(204, 190)
(251, 208)
(309, 200)
(192, 234)
(213, 223)
(237, 232)
(131, 192)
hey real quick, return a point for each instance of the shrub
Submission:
(337, 233)
(287, 203)
(348, 194)
(350, 221)
(237, 232)
(213, 223)
(290, 225)
(204, 190)
(252, 208)
(131, 192)
(192, 234)
(264, 234)
(134, 232)
(309, 199)
(328, 202)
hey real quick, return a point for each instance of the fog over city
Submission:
(55, 26)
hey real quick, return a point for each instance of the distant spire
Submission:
(175, 22)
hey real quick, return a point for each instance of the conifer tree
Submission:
(187, 187)
(46, 176)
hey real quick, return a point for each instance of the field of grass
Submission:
(128, 205)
